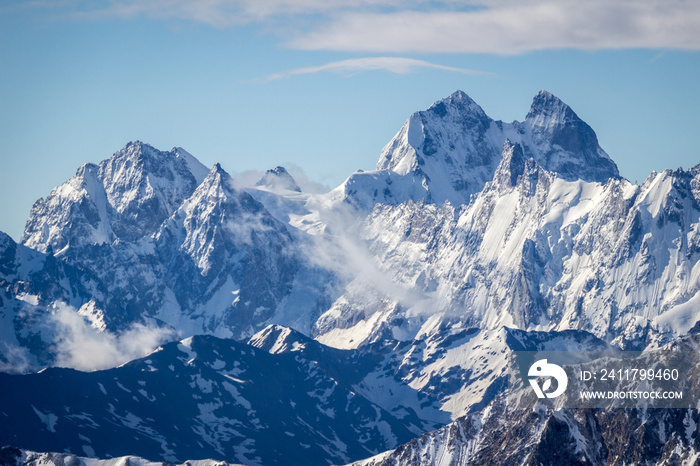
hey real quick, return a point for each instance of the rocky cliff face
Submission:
(125, 197)
(451, 150)
(225, 258)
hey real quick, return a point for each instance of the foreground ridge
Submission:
(11, 456)
(207, 318)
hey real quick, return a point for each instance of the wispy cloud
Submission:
(82, 347)
(398, 65)
(306, 184)
(217, 13)
(450, 26)
(510, 27)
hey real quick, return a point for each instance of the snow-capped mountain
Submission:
(386, 308)
(278, 179)
(125, 197)
(226, 259)
(197, 398)
(533, 250)
(164, 241)
(165, 245)
(451, 150)
(517, 428)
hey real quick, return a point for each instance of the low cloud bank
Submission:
(82, 347)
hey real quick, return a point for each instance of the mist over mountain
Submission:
(267, 325)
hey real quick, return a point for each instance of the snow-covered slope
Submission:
(11, 456)
(533, 251)
(517, 428)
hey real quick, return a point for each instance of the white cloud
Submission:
(454, 26)
(217, 13)
(247, 179)
(349, 258)
(80, 346)
(511, 27)
(15, 359)
(398, 65)
(306, 184)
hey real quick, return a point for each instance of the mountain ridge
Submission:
(449, 151)
(409, 287)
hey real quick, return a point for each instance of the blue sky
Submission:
(323, 85)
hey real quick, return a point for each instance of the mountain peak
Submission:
(136, 150)
(126, 196)
(216, 176)
(148, 159)
(278, 179)
(445, 151)
(458, 96)
(137, 145)
(452, 149)
(512, 164)
(547, 109)
(279, 339)
(154, 160)
(458, 103)
(566, 144)
(145, 185)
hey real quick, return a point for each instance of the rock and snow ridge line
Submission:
(204, 396)
(517, 428)
(451, 150)
(530, 239)
(10, 456)
(249, 250)
(533, 251)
